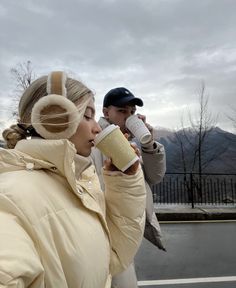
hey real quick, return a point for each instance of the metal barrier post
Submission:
(191, 189)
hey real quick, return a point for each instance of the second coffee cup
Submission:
(113, 144)
(138, 128)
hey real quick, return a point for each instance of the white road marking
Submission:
(187, 280)
(197, 221)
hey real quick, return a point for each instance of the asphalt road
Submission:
(199, 255)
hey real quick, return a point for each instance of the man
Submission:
(118, 104)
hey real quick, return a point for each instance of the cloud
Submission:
(161, 50)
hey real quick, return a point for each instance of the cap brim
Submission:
(127, 100)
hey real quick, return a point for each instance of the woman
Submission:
(57, 229)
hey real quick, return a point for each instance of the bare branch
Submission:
(23, 74)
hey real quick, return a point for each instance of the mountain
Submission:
(218, 150)
(161, 132)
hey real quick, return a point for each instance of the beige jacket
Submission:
(59, 231)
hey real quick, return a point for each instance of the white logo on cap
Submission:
(127, 92)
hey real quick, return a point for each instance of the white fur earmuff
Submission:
(54, 116)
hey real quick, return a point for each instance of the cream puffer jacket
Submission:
(57, 230)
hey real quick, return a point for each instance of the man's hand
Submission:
(143, 118)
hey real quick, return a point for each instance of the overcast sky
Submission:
(161, 50)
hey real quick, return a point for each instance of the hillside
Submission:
(218, 150)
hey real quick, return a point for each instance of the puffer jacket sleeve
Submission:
(154, 162)
(125, 202)
(20, 265)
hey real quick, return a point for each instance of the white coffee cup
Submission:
(113, 144)
(138, 128)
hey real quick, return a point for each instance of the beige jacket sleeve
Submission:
(20, 265)
(125, 202)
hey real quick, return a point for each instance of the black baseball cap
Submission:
(120, 97)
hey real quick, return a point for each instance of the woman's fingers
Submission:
(109, 166)
(132, 169)
(136, 149)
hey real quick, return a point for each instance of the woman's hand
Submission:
(133, 168)
(109, 166)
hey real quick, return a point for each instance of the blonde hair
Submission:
(77, 93)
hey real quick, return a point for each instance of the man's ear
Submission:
(105, 112)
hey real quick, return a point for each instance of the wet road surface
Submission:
(199, 255)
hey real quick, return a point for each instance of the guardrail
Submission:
(194, 188)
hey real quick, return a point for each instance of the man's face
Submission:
(118, 115)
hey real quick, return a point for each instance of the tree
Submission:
(194, 152)
(23, 74)
(191, 140)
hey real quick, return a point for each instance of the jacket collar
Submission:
(55, 155)
(58, 156)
